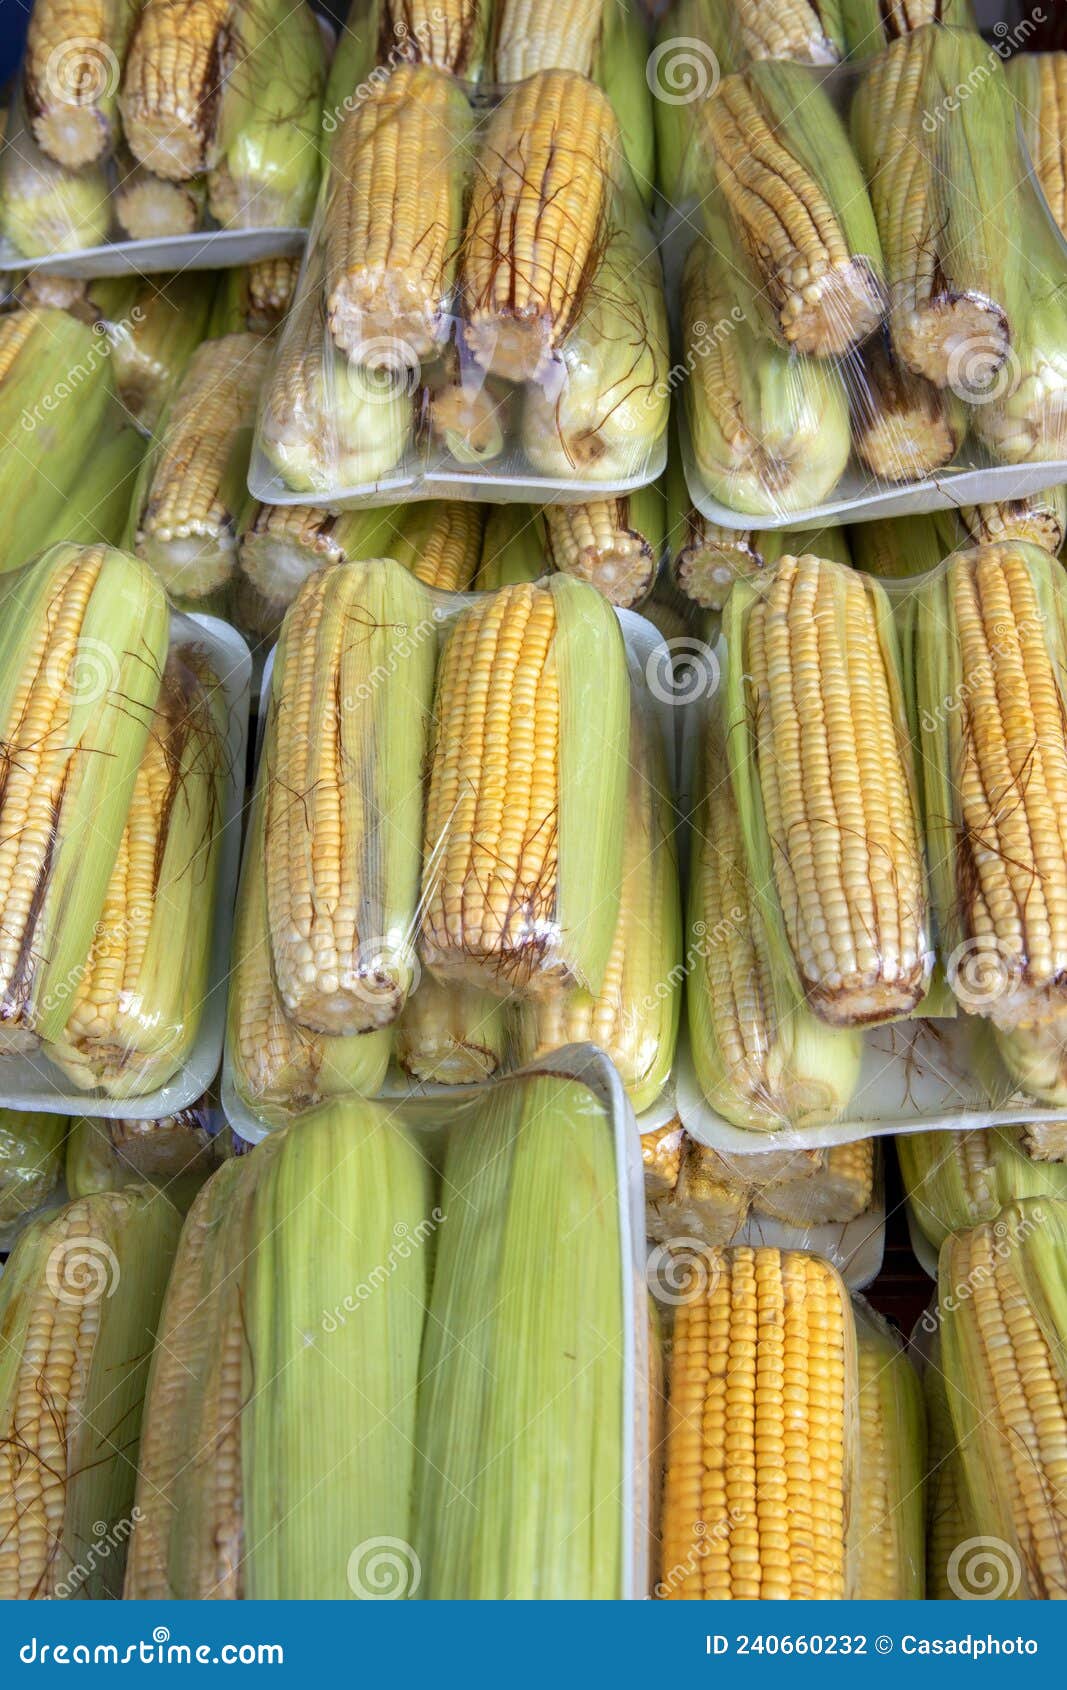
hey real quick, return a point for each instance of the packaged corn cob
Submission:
(150, 208)
(481, 308)
(70, 80)
(79, 1301)
(31, 1165)
(1038, 82)
(956, 1180)
(453, 1035)
(254, 298)
(279, 546)
(152, 343)
(868, 26)
(1039, 518)
(890, 1531)
(950, 1527)
(616, 544)
(46, 209)
(175, 1155)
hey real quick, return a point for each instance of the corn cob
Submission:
(807, 31)
(958, 1179)
(945, 209)
(83, 638)
(608, 421)
(1039, 83)
(31, 1164)
(264, 159)
(760, 1489)
(149, 208)
(634, 1016)
(504, 1390)
(512, 548)
(833, 846)
(785, 170)
(711, 1200)
(768, 433)
(279, 546)
(839, 1192)
(949, 1522)
(527, 792)
(151, 347)
(345, 748)
(176, 1155)
(1002, 1351)
(469, 415)
(45, 209)
(891, 1546)
(72, 1383)
(613, 543)
(136, 1011)
(327, 424)
(452, 1035)
(440, 541)
(178, 61)
(1046, 1141)
(761, 1056)
(95, 511)
(1039, 518)
(299, 1227)
(278, 1068)
(191, 489)
(1036, 1059)
(453, 37)
(709, 559)
(393, 218)
(989, 642)
(903, 427)
(870, 25)
(70, 76)
(661, 1157)
(901, 545)
(254, 298)
(538, 215)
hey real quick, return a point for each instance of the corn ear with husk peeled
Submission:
(453, 37)
(704, 559)
(149, 208)
(1002, 1353)
(608, 421)
(990, 633)
(83, 642)
(264, 164)
(949, 1521)
(31, 1164)
(903, 427)
(55, 390)
(662, 1150)
(796, 199)
(526, 802)
(615, 544)
(440, 542)
(956, 1179)
(762, 1058)
(840, 1190)
(1038, 82)
(710, 1201)
(452, 1035)
(44, 208)
(894, 547)
(137, 1008)
(393, 218)
(229, 1373)
(173, 81)
(97, 507)
(1038, 518)
(829, 815)
(1035, 1057)
(254, 298)
(175, 1155)
(868, 26)
(890, 1528)
(1020, 414)
(634, 1016)
(513, 548)
(280, 1069)
(497, 1512)
(79, 1301)
(70, 76)
(279, 546)
(768, 433)
(191, 489)
(152, 345)
(946, 204)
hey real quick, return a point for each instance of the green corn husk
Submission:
(79, 1301)
(870, 25)
(152, 346)
(294, 1319)
(192, 485)
(614, 544)
(97, 508)
(83, 635)
(762, 1059)
(175, 1155)
(45, 209)
(949, 1522)
(1037, 83)
(520, 1481)
(1001, 1293)
(31, 1164)
(137, 1008)
(890, 1528)
(900, 546)
(697, 43)
(634, 1017)
(265, 154)
(452, 1035)
(769, 433)
(149, 208)
(55, 390)
(830, 543)
(279, 546)
(1039, 518)
(70, 77)
(958, 1179)
(280, 1069)
(947, 201)
(608, 421)
(513, 548)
